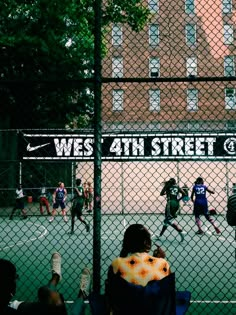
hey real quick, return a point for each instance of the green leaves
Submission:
(51, 41)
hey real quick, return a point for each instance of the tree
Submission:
(43, 45)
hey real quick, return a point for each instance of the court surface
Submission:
(204, 265)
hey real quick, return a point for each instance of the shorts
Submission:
(200, 209)
(20, 204)
(185, 198)
(174, 207)
(59, 203)
(77, 209)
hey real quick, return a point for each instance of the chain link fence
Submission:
(168, 110)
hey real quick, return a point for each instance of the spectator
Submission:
(50, 301)
(231, 208)
(8, 277)
(135, 265)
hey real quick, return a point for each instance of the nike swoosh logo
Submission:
(30, 149)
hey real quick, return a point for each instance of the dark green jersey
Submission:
(79, 197)
(172, 192)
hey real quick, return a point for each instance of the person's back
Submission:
(173, 192)
(140, 268)
(231, 210)
(133, 276)
(200, 193)
(8, 278)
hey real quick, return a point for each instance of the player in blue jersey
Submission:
(198, 197)
(59, 197)
(172, 191)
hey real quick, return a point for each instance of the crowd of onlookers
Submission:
(135, 269)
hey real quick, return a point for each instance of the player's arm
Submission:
(65, 195)
(54, 196)
(192, 196)
(163, 191)
(183, 193)
(210, 191)
(79, 193)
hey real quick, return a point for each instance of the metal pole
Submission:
(97, 145)
(122, 189)
(20, 174)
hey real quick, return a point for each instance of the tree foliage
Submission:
(45, 41)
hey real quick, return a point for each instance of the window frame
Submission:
(115, 34)
(191, 66)
(227, 105)
(153, 6)
(117, 100)
(188, 32)
(228, 34)
(190, 7)
(192, 102)
(227, 6)
(230, 64)
(154, 102)
(153, 66)
(151, 35)
(117, 67)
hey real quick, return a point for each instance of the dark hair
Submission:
(137, 239)
(8, 280)
(78, 181)
(199, 180)
(169, 183)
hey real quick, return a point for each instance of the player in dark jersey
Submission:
(198, 197)
(59, 197)
(77, 206)
(172, 191)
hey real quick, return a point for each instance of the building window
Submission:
(229, 66)
(189, 7)
(117, 67)
(228, 34)
(192, 100)
(230, 99)
(190, 32)
(153, 6)
(153, 34)
(191, 66)
(227, 6)
(117, 100)
(154, 67)
(154, 100)
(117, 35)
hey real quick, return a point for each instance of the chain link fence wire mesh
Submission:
(168, 111)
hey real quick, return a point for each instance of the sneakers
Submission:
(65, 218)
(200, 232)
(56, 264)
(51, 219)
(217, 230)
(85, 283)
(87, 227)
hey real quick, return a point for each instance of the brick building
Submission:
(183, 39)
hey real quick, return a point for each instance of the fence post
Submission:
(97, 147)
